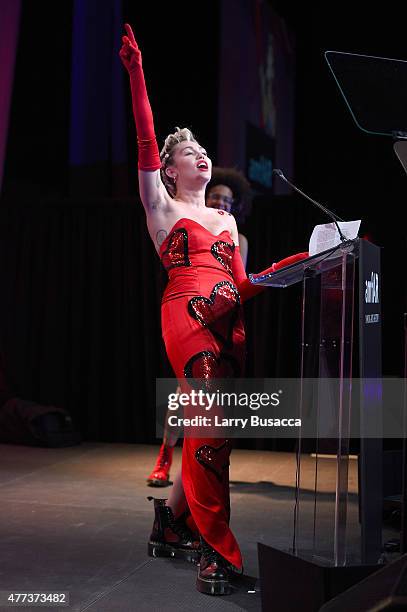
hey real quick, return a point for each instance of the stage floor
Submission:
(77, 519)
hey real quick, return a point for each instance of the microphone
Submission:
(330, 214)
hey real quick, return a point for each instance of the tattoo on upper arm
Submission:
(160, 236)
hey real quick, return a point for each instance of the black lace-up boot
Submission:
(213, 572)
(171, 537)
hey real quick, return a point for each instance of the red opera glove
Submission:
(148, 154)
(243, 284)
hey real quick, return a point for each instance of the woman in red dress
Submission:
(202, 326)
(228, 190)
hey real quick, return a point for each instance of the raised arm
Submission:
(152, 191)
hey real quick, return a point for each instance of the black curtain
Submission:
(80, 313)
(80, 309)
(80, 280)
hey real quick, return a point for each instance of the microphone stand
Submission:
(330, 214)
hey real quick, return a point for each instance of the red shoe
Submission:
(160, 476)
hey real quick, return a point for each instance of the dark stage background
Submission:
(81, 284)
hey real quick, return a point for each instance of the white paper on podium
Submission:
(326, 236)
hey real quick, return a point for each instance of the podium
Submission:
(341, 339)
(375, 93)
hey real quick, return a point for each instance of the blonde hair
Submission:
(166, 155)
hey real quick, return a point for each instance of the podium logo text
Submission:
(372, 289)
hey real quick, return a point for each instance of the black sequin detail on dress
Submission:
(205, 367)
(219, 312)
(176, 253)
(223, 252)
(215, 459)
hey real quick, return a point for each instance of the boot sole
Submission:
(213, 587)
(159, 483)
(162, 550)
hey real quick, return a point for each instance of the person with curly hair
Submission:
(202, 327)
(229, 190)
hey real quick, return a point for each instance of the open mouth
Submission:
(202, 165)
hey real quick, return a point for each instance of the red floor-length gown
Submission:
(203, 331)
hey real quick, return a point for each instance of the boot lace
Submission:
(211, 554)
(180, 527)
